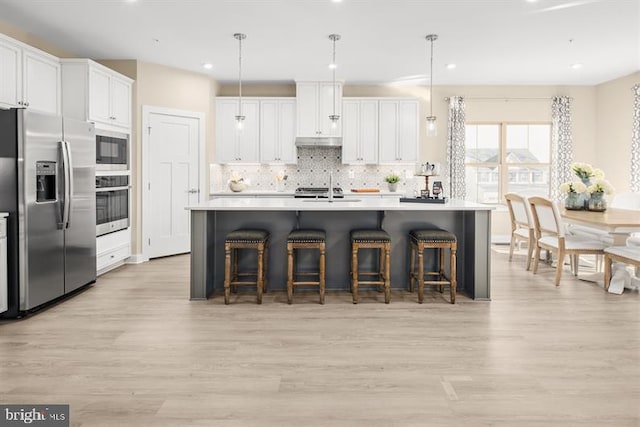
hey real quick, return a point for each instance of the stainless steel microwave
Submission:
(112, 151)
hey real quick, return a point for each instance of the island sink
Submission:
(332, 201)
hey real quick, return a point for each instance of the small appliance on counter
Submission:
(427, 170)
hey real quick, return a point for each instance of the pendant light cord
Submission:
(334, 75)
(431, 82)
(240, 75)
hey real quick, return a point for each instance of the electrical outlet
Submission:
(407, 174)
(352, 174)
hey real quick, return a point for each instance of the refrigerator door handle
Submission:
(65, 169)
(70, 185)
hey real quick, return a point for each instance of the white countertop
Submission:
(347, 204)
(3, 214)
(290, 193)
(252, 193)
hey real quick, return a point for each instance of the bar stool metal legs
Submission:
(419, 240)
(306, 239)
(245, 239)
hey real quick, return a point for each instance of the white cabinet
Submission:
(399, 128)
(278, 130)
(315, 103)
(93, 92)
(233, 145)
(360, 131)
(4, 298)
(10, 74)
(112, 250)
(40, 81)
(29, 78)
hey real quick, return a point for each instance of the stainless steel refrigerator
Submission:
(47, 185)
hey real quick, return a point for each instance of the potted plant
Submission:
(392, 181)
(598, 189)
(573, 190)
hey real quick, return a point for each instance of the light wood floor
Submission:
(133, 351)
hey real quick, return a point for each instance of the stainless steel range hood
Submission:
(320, 141)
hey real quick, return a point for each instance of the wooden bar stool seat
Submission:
(305, 239)
(245, 239)
(371, 239)
(419, 240)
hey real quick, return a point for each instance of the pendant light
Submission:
(240, 118)
(432, 129)
(334, 117)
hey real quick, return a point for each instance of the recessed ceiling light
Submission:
(333, 66)
(531, 1)
(576, 66)
(207, 65)
(336, 1)
(451, 66)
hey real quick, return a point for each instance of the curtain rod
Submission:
(505, 99)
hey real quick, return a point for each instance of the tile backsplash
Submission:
(312, 170)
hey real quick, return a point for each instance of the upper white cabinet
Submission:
(360, 131)
(315, 103)
(96, 93)
(29, 78)
(278, 130)
(234, 145)
(399, 128)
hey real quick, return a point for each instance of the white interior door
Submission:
(173, 181)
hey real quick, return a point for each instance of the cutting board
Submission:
(365, 190)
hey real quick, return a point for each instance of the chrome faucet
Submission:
(331, 186)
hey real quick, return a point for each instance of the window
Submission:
(507, 158)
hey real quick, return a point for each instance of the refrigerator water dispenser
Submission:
(46, 182)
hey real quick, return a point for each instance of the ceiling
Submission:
(492, 42)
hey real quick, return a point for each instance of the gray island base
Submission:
(212, 221)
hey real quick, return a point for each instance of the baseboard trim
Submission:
(137, 259)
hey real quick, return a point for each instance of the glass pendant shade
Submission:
(432, 128)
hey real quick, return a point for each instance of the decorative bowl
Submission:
(237, 186)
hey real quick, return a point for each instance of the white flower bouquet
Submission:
(601, 186)
(573, 187)
(585, 171)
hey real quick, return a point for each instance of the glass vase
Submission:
(597, 202)
(573, 202)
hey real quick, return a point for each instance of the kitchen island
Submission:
(213, 220)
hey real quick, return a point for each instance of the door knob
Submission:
(194, 191)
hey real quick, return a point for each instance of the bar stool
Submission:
(305, 239)
(245, 239)
(371, 239)
(419, 240)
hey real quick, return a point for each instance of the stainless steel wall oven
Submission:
(112, 203)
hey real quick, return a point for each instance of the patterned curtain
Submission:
(635, 142)
(561, 144)
(456, 148)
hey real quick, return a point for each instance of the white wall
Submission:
(614, 123)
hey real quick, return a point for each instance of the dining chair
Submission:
(550, 235)
(521, 225)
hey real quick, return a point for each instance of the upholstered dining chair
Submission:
(521, 225)
(550, 235)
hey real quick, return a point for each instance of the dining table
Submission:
(619, 223)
